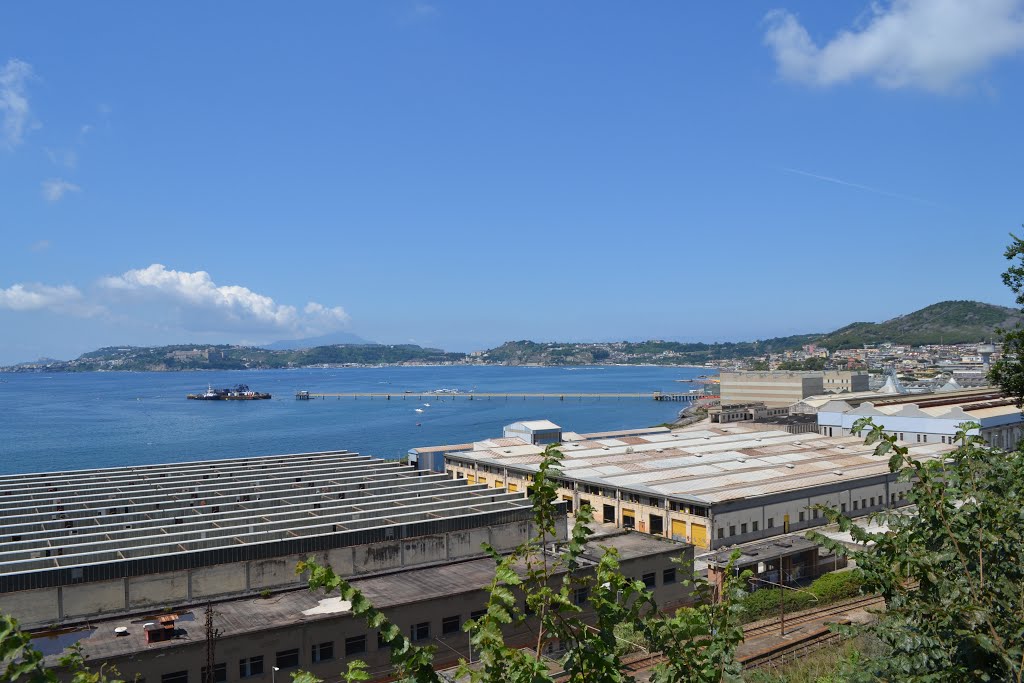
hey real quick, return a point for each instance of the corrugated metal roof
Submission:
(712, 465)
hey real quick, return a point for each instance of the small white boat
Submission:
(426, 405)
(419, 410)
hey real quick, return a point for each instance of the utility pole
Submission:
(212, 634)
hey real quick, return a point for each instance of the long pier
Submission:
(470, 396)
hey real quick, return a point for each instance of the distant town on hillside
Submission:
(941, 332)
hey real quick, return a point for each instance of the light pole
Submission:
(782, 605)
(273, 674)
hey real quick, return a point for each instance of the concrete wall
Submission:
(70, 604)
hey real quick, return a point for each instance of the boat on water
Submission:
(240, 392)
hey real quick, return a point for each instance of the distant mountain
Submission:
(311, 342)
(947, 322)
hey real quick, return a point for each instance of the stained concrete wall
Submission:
(35, 607)
(222, 579)
(86, 600)
(69, 604)
(157, 591)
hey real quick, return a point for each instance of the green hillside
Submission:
(947, 322)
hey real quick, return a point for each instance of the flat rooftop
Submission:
(244, 616)
(77, 526)
(704, 465)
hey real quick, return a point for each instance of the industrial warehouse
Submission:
(122, 562)
(711, 487)
(82, 544)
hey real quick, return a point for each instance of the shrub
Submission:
(837, 586)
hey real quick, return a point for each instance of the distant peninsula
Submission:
(948, 322)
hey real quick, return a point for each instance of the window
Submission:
(176, 677)
(743, 528)
(250, 667)
(650, 579)
(924, 438)
(287, 659)
(732, 529)
(668, 576)
(477, 614)
(872, 501)
(220, 673)
(580, 595)
(609, 514)
(802, 515)
(721, 532)
(323, 652)
(771, 522)
(855, 504)
(420, 631)
(754, 527)
(356, 645)
(814, 513)
(450, 625)
(863, 502)
(901, 436)
(842, 507)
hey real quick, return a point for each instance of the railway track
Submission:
(796, 646)
(773, 626)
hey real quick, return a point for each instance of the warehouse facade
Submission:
(711, 487)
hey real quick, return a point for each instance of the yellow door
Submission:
(513, 487)
(481, 480)
(628, 520)
(699, 535)
(679, 529)
(785, 524)
(470, 479)
(498, 483)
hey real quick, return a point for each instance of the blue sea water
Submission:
(87, 420)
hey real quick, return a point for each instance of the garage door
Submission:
(678, 530)
(699, 535)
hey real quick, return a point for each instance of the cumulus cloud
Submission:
(37, 297)
(203, 305)
(930, 44)
(54, 189)
(14, 107)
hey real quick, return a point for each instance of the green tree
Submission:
(1008, 371)
(950, 569)
(533, 583)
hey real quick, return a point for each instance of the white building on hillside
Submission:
(931, 418)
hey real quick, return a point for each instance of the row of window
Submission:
(863, 503)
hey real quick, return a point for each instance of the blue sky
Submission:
(463, 173)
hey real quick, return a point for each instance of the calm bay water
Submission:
(85, 420)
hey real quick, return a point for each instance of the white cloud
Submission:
(41, 245)
(36, 297)
(14, 107)
(202, 305)
(54, 189)
(930, 44)
(62, 157)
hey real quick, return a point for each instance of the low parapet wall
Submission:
(70, 604)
